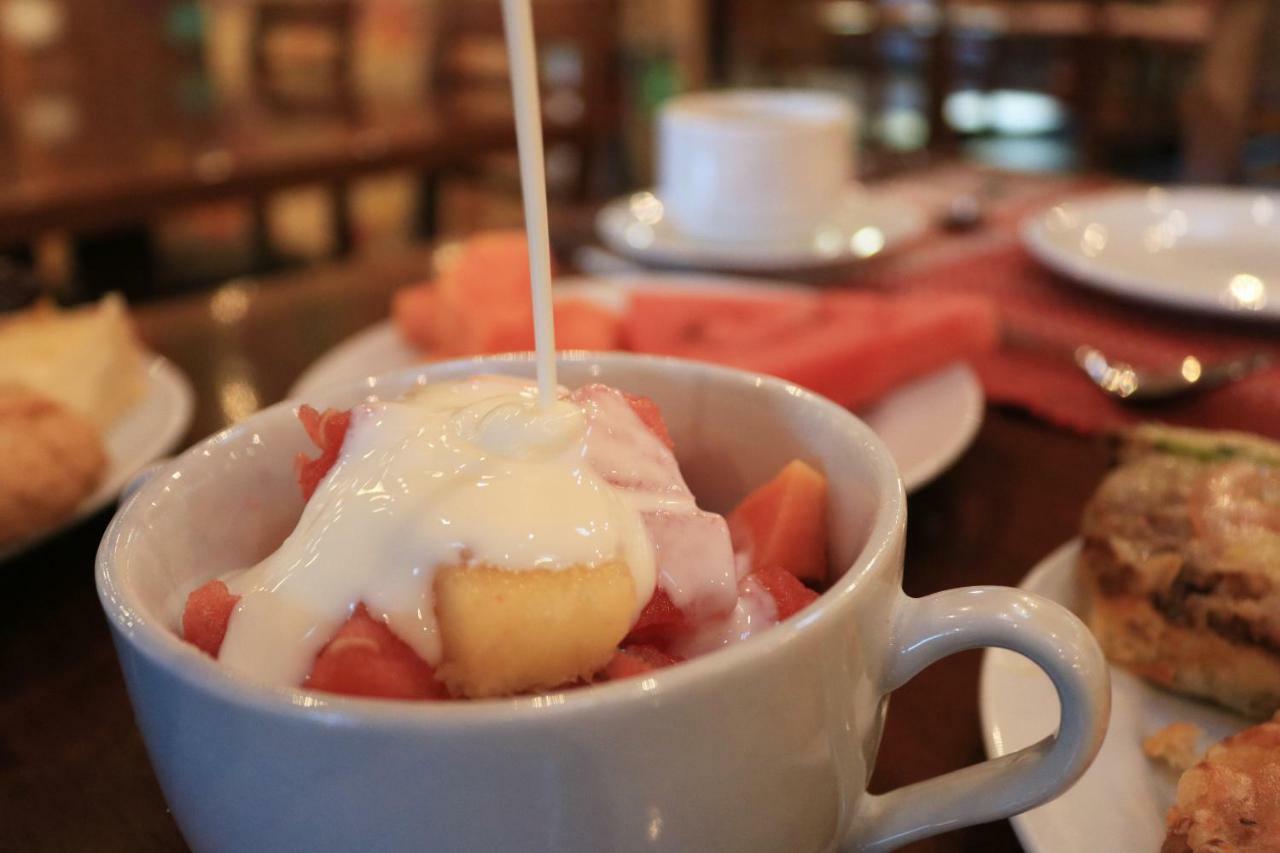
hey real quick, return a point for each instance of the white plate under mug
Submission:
(862, 225)
(926, 424)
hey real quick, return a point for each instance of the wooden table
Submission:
(115, 179)
(73, 772)
(131, 109)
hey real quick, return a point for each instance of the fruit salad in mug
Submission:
(468, 541)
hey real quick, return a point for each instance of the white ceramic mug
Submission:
(754, 165)
(764, 746)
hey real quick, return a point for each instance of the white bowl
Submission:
(763, 746)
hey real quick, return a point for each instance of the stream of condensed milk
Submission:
(490, 470)
(517, 16)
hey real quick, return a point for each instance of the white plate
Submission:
(143, 434)
(1211, 250)
(1120, 803)
(926, 424)
(863, 225)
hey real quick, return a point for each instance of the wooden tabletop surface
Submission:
(73, 771)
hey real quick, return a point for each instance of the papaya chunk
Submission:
(783, 523)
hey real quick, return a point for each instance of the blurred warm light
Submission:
(33, 24)
(647, 208)
(238, 400)
(867, 241)
(230, 302)
(1191, 368)
(1094, 239)
(1246, 291)
(848, 17)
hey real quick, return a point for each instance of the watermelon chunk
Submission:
(205, 617)
(790, 596)
(783, 523)
(365, 658)
(648, 411)
(327, 431)
(658, 621)
(851, 347)
(630, 661)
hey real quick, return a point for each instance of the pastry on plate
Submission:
(86, 358)
(1181, 560)
(1230, 801)
(53, 459)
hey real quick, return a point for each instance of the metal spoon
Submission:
(1128, 384)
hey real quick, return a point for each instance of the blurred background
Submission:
(162, 146)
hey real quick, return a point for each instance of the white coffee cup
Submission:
(761, 747)
(754, 165)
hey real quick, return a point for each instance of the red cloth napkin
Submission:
(1037, 304)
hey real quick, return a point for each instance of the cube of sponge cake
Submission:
(505, 632)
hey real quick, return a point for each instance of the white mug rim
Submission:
(689, 112)
(166, 650)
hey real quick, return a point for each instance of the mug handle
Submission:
(928, 629)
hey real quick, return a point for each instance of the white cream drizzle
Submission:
(474, 472)
(753, 611)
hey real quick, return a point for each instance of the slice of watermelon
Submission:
(674, 323)
(205, 617)
(327, 432)
(851, 347)
(365, 658)
(583, 325)
(635, 660)
(789, 594)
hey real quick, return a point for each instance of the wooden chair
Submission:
(580, 81)
(323, 28)
(1223, 107)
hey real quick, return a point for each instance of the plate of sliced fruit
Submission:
(899, 362)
